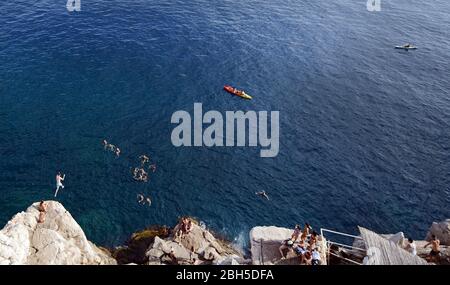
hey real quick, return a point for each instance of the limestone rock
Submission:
(441, 230)
(199, 246)
(265, 242)
(59, 240)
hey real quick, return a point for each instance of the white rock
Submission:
(59, 240)
(265, 242)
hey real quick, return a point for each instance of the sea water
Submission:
(364, 134)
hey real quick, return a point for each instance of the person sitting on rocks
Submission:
(300, 249)
(411, 247)
(42, 211)
(315, 257)
(435, 251)
(305, 232)
(186, 225)
(307, 257)
(286, 244)
(313, 239)
(297, 231)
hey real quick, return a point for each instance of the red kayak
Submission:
(236, 92)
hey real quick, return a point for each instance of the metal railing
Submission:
(329, 242)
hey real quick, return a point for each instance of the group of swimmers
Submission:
(139, 173)
(111, 147)
(303, 243)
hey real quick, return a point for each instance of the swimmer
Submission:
(105, 144)
(117, 152)
(152, 167)
(144, 159)
(59, 180)
(149, 201)
(144, 176)
(262, 194)
(112, 147)
(140, 198)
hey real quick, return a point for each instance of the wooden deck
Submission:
(384, 252)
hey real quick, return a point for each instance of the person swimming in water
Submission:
(117, 151)
(141, 198)
(139, 174)
(144, 159)
(59, 179)
(152, 167)
(262, 194)
(105, 144)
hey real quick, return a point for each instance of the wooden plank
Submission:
(385, 252)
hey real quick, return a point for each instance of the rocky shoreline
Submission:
(60, 240)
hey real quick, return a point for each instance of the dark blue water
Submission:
(364, 128)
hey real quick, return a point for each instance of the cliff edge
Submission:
(57, 240)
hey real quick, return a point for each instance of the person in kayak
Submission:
(238, 92)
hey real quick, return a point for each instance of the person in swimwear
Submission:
(42, 211)
(59, 180)
(140, 198)
(305, 232)
(262, 194)
(435, 250)
(144, 159)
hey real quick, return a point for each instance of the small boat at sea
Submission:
(237, 92)
(406, 47)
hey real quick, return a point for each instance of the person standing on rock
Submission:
(435, 250)
(59, 179)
